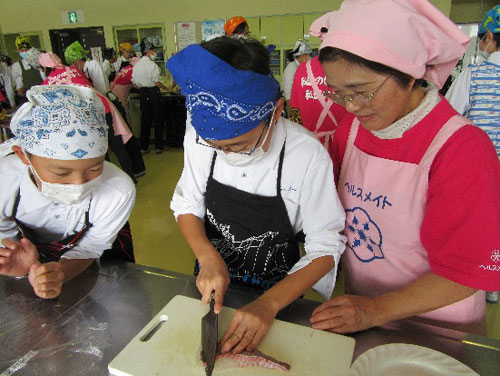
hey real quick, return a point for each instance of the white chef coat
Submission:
(6, 80)
(106, 68)
(458, 93)
(287, 80)
(94, 72)
(17, 73)
(109, 206)
(307, 188)
(145, 73)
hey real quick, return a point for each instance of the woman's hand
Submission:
(345, 314)
(17, 257)
(46, 279)
(249, 326)
(213, 277)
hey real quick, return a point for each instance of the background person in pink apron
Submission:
(419, 183)
(308, 105)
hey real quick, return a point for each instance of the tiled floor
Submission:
(157, 240)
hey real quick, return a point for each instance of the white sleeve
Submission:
(458, 93)
(99, 81)
(10, 89)
(323, 219)
(155, 73)
(17, 75)
(287, 81)
(11, 179)
(189, 194)
(106, 68)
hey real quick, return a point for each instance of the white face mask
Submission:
(242, 160)
(153, 57)
(67, 194)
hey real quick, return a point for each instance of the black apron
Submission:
(31, 77)
(122, 248)
(252, 233)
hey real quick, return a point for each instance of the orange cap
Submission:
(233, 23)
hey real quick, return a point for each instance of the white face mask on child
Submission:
(243, 160)
(66, 194)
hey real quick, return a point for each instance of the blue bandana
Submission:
(491, 21)
(223, 102)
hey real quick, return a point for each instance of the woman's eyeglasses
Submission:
(228, 149)
(355, 99)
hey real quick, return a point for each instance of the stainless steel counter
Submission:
(100, 311)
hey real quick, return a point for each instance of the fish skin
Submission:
(249, 359)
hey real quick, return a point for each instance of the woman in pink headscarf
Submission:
(418, 182)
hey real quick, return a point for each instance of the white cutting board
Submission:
(174, 349)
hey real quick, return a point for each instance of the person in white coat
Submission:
(6, 81)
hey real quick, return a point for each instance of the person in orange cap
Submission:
(236, 26)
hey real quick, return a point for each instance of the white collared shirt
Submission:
(307, 188)
(109, 207)
(458, 93)
(145, 73)
(6, 80)
(94, 72)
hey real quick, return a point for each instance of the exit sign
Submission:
(73, 17)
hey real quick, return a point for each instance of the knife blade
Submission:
(209, 335)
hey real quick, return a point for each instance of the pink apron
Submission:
(385, 202)
(327, 135)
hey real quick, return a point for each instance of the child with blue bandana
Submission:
(252, 181)
(61, 205)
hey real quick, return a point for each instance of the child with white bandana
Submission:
(61, 204)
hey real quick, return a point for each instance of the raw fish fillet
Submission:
(249, 359)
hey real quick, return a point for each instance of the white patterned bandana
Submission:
(65, 122)
(32, 57)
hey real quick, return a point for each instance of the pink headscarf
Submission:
(49, 60)
(411, 36)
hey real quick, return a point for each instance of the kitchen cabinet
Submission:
(308, 20)
(270, 30)
(293, 30)
(134, 34)
(254, 26)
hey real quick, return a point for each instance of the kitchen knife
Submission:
(209, 335)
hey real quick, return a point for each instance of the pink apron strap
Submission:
(449, 128)
(353, 132)
(319, 95)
